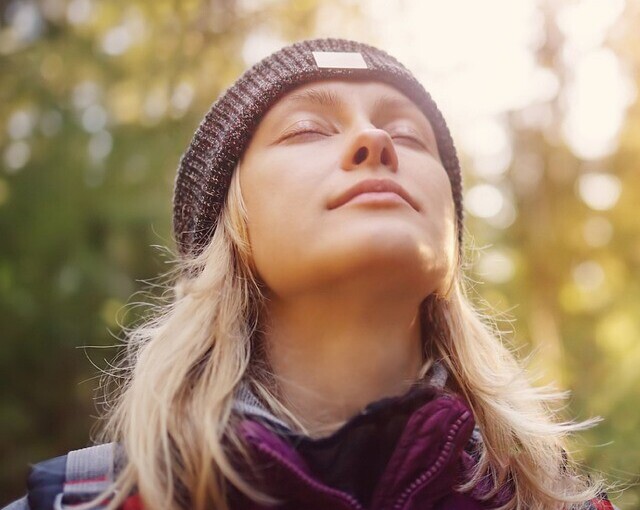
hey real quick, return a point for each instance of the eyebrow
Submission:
(329, 99)
(324, 98)
(393, 103)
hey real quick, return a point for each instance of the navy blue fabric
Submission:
(45, 482)
(353, 458)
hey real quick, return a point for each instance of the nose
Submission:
(371, 147)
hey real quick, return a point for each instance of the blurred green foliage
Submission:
(91, 139)
(98, 102)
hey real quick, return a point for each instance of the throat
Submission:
(327, 392)
(331, 358)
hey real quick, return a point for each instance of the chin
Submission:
(403, 251)
(381, 232)
(389, 257)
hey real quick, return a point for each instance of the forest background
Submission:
(98, 100)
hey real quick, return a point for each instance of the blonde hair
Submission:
(175, 385)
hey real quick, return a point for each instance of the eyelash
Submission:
(302, 132)
(312, 131)
(412, 138)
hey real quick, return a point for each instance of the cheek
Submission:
(440, 211)
(434, 189)
(450, 239)
(280, 207)
(441, 197)
(274, 196)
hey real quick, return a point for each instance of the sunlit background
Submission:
(99, 100)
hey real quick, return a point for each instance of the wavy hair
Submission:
(171, 409)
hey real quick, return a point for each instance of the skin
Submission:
(345, 283)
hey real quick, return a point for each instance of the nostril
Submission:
(360, 155)
(385, 158)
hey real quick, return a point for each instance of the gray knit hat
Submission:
(205, 170)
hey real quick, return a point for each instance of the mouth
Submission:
(385, 188)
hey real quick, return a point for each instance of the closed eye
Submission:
(303, 132)
(406, 132)
(412, 139)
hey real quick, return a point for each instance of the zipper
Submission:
(349, 500)
(427, 475)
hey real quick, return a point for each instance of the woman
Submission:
(319, 350)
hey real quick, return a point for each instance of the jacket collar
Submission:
(378, 455)
(246, 403)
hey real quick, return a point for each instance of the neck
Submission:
(333, 353)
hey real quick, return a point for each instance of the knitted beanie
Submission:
(206, 167)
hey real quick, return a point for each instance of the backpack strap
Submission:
(89, 471)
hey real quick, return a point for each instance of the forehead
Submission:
(339, 94)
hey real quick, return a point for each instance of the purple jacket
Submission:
(400, 453)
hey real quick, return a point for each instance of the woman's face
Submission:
(313, 145)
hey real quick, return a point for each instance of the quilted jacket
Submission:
(400, 453)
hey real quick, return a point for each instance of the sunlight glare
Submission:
(600, 191)
(596, 99)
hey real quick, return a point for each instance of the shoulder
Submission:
(74, 477)
(44, 482)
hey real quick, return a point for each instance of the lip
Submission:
(373, 186)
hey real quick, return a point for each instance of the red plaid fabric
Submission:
(602, 504)
(132, 503)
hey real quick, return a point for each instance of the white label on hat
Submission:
(340, 59)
